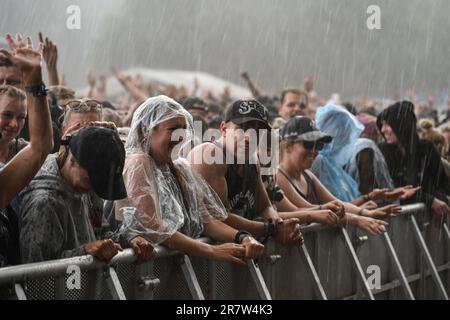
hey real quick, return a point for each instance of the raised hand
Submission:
(50, 51)
(119, 75)
(90, 79)
(244, 74)
(22, 55)
(50, 56)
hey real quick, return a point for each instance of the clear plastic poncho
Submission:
(167, 198)
(345, 130)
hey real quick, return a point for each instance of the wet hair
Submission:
(428, 132)
(12, 92)
(83, 108)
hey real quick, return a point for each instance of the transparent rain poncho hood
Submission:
(345, 130)
(167, 198)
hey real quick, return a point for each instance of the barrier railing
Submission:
(410, 261)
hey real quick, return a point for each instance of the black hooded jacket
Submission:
(412, 161)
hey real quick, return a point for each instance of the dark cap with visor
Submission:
(303, 129)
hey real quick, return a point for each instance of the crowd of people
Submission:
(88, 175)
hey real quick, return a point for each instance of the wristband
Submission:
(270, 230)
(240, 235)
(37, 90)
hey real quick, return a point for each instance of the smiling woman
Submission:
(13, 111)
(167, 201)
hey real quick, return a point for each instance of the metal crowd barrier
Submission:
(410, 261)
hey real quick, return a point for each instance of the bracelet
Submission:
(240, 235)
(269, 230)
(360, 212)
(320, 207)
(366, 198)
(37, 90)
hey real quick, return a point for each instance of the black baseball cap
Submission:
(301, 128)
(101, 153)
(242, 111)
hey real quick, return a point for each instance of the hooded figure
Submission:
(328, 166)
(167, 197)
(412, 161)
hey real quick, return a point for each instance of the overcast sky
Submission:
(279, 42)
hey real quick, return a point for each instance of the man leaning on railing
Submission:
(55, 206)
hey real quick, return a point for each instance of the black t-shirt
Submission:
(241, 182)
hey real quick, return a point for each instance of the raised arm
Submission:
(255, 91)
(24, 166)
(50, 55)
(129, 85)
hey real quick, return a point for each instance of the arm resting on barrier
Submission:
(221, 232)
(230, 252)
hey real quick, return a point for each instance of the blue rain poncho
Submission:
(345, 130)
(382, 176)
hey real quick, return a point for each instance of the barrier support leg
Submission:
(357, 264)
(114, 285)
(446, 231)
(191, 278)
(258, 279)
(398, 268)
(428, 259)
(318, 288)
(20, 293)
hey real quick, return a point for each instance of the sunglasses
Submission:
(78, 104)
(81, 105)
(313, 145)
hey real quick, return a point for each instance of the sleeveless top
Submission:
(311, 195)
(242, 189)
(241, 184)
